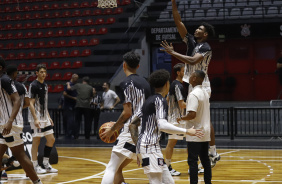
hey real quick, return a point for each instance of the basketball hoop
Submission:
(107, 3)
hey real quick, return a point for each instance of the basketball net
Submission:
(107, 3)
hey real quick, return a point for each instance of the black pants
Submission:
(68, 121)
(95, 113)
(195, 150)
(79, 112)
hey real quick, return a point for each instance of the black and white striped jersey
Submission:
(192, 48)
(22, 93)
(135, 91)
(154, 108)
(176, 93)
(8, 88)
(39, 91)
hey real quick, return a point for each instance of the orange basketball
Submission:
(114, 136)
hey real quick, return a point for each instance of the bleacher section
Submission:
(68, 36)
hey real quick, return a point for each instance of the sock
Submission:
(47, 151)
(45, 160)
(168, 162)
(213, 150)
(35, 163)
(37, 182)
(200, 165)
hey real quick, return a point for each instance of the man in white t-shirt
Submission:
(109, 97)
(198, 116)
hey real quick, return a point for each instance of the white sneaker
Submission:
(39, 170)
(174, 172)
(49, 168)
(200, 171)
(214, 159)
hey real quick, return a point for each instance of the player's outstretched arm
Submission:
(133, 128)
(177, 20)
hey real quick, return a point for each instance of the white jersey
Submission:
(202, 48)
(23, 94)
(8, 88)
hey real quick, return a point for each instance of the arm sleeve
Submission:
(192, 104)
(161, 109)
(165, 126)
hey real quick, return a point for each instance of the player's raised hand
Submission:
(167, 47)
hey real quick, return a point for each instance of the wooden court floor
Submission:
(87, 165)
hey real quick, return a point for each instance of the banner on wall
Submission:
(158, 34)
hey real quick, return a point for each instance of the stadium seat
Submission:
(67, 76)
(81, 32)
(70, 32)
(77, 64)
(223, 13)
(27, 26)
(66, 64)
(100, 21)
(30, 45)
(42, 55)
(58, 24)
(53, 54)
(94, 4)
(1, 36)
(76, 13)
(241, 3)
(20, 45)
(45, 7)
(9, 36)
(21, 77)
(86, 13)
(111, 20)
(89, 22)
(1, 46)
(56, 14)
(32, 66)
(107, 11)
(47, 15)
(49, 33)
(47, 78)
(66, 14)
(22, 66)
(58, 88)
(86, 52)
(18, 17)
(103, 30)
(55, 6)
(11, 56)
(62, 43)
(19, 35)
(272, 12)
(75, 53)
(195, 4)
(97, 12)
(56, 76)
(64, 53)
(51, 44)
(68, 23)
(8, 27)
(50, 88)
(21, 55)
(218, 3)
(31, 78)
(31, 55)
(247, 13)
(55, 65)
(79, 22)
(85, 5)
(39, 34)
(83, 42)
(65, 6)
(46, 64)
(18, 26)
(27, 16)
(10, 46)
(75, 5)
(40, 44)
(72, 43)
(211, 14)
(91, 31)
(60, 33)
(48, 24)
(229, 3)
(235, 13)
(125, 2)
(118, 10)
(94, 41)
(7, 9)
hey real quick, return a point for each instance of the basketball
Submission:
(114, 136)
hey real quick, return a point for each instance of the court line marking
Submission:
(88, 177)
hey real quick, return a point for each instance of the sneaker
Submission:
(200, 171)
(173, 172)
(4, 176)
(49, 168)
(39, 170)
(214, 159)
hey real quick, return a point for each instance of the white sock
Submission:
(200, 165)
(45, 160)
(37, 182)
(35, 163)
(213, 150)
(168, 162)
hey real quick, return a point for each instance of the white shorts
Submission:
(45, 129)
(126, 147)
(152, 159)
(177, 136)
(14, 138)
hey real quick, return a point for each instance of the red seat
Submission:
(97, 12)
(51, 44)
(62, 43)
(56, 14)
(103, 30)
(28, 26)
(19, 35)
(118, 10)
(91, 31)
(72, 43)
(22, 66)
(58, 88)
(29, 35)
(68, 23)
(48, 24)
(11, 56)
(60, 33)
(10, 46)
(32, 66)
(108, 11)
(50, 88)
(8, 26)
(111, 20)
(55, 6)
(66, 14)
(75, 5)
(39, 34)
(36, 16)
(30, 45)
(1, 46)
(75, 53)
(71, 32)
(7, 17)
(8, 9)
(77, 64)
(20, 45)
(46, 64)
(83, 42)
(38, 25)
(85, 5)
(94, 4)
(49, 34)
(18, 26)
(40, 44)
(18, 17)
(47, 15)
(86, 52)
(86, 13)
(21, 77)
(80, 32)
(100, 21)
(67, 76)
(45, 7)
(65, 5)
(125, 2)
(47, 78)
(36, 7)
(42, 55)
(58, 24)
(27, 16)
(9, 36)
(56, 76)
(53, 54)
(55, 65)
(32, 78)
(66, 64)
(89, 22)
(31, 55)
(76, 13)
(64, 53)
(79, 22)
(21, 55)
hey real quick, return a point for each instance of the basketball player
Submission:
(198, 116)
(11, 124)
(176, 109)
(135, 89)
(154, 120)
(197, 57)
(41, 122)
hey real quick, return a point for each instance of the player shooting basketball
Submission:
(197, 57)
